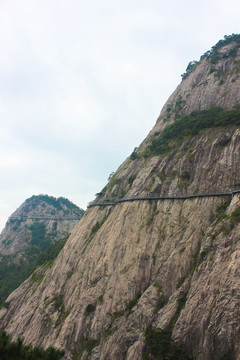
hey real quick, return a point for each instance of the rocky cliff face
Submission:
(164, 258)
(44, 216)
(33, 235)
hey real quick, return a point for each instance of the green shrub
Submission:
(235, 216)
(58, 303)
(227, 356)
(131, 179)
(183, 185)
(192, 124)
(18, 272)
(185, 175)
(221, 209)
(96, 227)
(161, 302)
(17, 351)
(160, 345)
(38, 237)
(118, 314)
(132, 302)
(90, 308)
(84, 344)
(134, 155)
(224, 141)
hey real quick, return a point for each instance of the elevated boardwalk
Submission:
(42, 218)
(113, 202)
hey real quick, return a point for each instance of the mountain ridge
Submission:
(142, 268)
(39, 223)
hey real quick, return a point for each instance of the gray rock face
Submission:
(55, 217)
(126, 266)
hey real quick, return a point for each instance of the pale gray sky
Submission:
(82, 82)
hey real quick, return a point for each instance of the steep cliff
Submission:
(156, 254)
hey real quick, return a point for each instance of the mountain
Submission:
(152, 270)
(34, 228)
(40, 220)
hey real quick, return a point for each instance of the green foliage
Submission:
(150, 219)
(180, 282)
(227, 356)
(38, 236)
(160, 345)
(159, 287)
(180, 103)
(100, 299)
(161, 302)
(182, 298)
(37, 277)
(225, 230)
(84, 344)
(111, 175)
(132, 302)
(159, 342)
(134, 154)
(221, 209)
(214, 55)
(113, 181)
(17, 351)
(19, 271)
(131, 179)
(96, 227)
(90, 308)
(122, 194)
(58, 303)
(192, 124)
(15, 223)
(118, 314)
(59, 204)
(224, 141)
(183, 185)
(191, 66)
(235, 216)
(185, 175)
(162, 299)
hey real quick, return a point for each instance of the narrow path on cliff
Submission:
(109, 202)
(42, 218)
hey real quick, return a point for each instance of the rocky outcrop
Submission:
(55, 219)
(169, 263)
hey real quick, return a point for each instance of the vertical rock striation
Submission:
(159, 247)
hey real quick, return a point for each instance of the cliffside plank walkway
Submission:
(112, 202)
(41, 218)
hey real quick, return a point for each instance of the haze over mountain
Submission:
(152, 269)
(82, 83)
(34, 234)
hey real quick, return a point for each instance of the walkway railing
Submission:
(41, 218)
(113, 202)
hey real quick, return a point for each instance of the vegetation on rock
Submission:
(192, 124)
(159, 341)
(19, 271)
(60, 203)
(162, 347)
(213, 55)
(17, 351)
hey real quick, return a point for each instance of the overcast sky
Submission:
(82, 82)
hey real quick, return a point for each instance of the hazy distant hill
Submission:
(33, 234)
